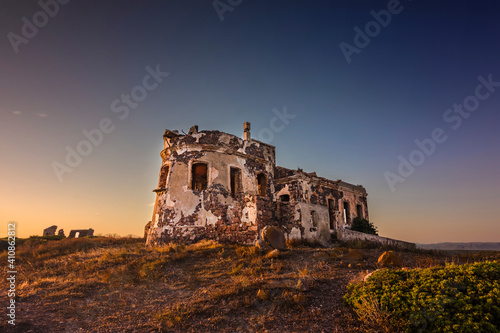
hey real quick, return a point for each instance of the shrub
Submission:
(455, 298)
(362, 225)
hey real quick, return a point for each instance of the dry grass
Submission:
(373, 314)
(112, 284)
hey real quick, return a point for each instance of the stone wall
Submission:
(229, 221)
(351, 235)
(50, 231)
(81, 233)
(316, 204)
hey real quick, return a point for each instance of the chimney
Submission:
(246, 130)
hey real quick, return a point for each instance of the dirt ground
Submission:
(119, 285)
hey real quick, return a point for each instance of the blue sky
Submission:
(352, 120)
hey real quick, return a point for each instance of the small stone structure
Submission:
(61, 233)
(81, 233)
(214, 185)
(50, 231)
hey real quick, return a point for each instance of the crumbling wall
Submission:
(354, 195)
(241, 192)
(289, 216)
(50, 231)
(289, 220)
(81, 233)
(351, 235)
(186, 214)
(303, 212)
(316, 204)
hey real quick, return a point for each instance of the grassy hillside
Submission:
(119, 285)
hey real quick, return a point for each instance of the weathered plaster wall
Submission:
(309, 193)
(322, 230)
(184, 214)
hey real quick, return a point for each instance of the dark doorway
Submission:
(359, 211)
(262, 184)
(236, 186)
(331, 213)
(199, 176)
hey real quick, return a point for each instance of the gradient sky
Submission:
(352, 120)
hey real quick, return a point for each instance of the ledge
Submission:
(159, 190)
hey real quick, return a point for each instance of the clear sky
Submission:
(361, 90)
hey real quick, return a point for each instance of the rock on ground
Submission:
(273, 237)
(388, 259)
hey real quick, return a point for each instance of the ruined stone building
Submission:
(214, 185)
(81, 233)
(50, 231)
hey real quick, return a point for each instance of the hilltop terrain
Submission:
(471, 246)
(119, 285)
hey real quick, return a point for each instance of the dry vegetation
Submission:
(119, 285)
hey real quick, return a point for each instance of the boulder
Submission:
(262, 295)
(388, 259)
(274, 237)
(262, 245)
(273, 254)
(367, 276)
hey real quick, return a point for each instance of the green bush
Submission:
(362, 225)
(455, 298)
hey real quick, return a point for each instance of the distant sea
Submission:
(473, 246)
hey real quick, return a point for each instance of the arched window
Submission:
(262, 184)
(199, 176)
(162, 183)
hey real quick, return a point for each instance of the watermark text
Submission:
(454, 117)
(11, 272)
(30, 28)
